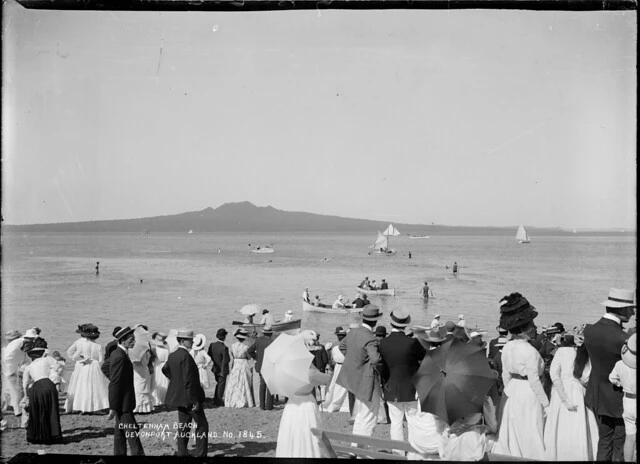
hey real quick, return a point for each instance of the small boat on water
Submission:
(522, 236)
(264, 249)
(381, 245)
(290, 327)
(308, 307)
(418, 236)
(380, 292)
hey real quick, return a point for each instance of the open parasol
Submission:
(453, 380)
(285, 366)
(251, 309)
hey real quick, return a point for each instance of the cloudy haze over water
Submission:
(464, 117)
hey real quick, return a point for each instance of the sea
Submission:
(200, 281)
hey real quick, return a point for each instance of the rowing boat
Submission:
(308, 307)
(290, 327)
(385, 292)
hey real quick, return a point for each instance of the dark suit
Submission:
(401, 356)
(122, 400)
(107, 354)
(604, 341)
(219, 354)
(256, 351)
(184, 392)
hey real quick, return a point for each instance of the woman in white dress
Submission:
(140, 356)
(337, 398)
(571, 430)
(239, 392)
(88, 387)
(202, 359)
(522, 426)
(160, 349)
(300, 415)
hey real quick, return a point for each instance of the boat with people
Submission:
(308, 307)
(522, 236)
(378, 291)
(381, 245)
(262, 249)
(418, 236)
(290, 327)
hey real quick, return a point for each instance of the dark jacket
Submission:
(358, 303)
(401, 356)
(256, 351)
(219, 354)
(604, 341)
(122, 396)
(184, 388)
(107, 354)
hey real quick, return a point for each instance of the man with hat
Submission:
(604, 341)
(336, 398)
(435, 323)
(267, 318)
(360, 371)
(219, 354)
(380, 332)
(186, 394)
(256, 351)
(358, 302)
(401, 356)
(624, 375)
(288, 316)
(13, 357)
(122, 396)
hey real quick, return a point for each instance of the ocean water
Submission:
(49, 280)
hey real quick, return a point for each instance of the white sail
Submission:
(522, 235)
(381, 242)
(391, 231)
(191, 231)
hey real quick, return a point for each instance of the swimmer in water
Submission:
(97, 267)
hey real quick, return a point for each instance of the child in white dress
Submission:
(57, 370)
(202, 359)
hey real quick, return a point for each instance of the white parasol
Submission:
(251, 309)
(285, 366)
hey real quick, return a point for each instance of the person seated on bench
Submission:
(384, 285)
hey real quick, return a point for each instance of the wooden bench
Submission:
(338, 445)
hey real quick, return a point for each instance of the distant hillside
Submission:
(245, 217)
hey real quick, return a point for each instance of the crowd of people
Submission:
(557, 395)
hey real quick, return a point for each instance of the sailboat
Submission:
(190, 231)
(522, 236)
(381, 246)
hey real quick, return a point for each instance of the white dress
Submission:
(203, 361)
(88, 387)
(337, 398)
(299, 416)
(238, 392)
(569, 435)
(161, 382)
(521, 429)
(143, 384)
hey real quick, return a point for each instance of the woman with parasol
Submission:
(521, 430)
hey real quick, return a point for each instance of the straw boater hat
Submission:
(184, 333)
(199, 341)
(30, 333)
(516, 311)
(629, 352)
(619, 298)
(241, 334)
(437, 316)
(123, 332)
(371, 313)
(400, 318)
(12, 335)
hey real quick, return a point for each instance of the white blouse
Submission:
(39, 368)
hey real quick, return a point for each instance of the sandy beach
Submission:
(234, 432)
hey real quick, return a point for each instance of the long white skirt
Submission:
(160, 384)
(88, 389)
(238, 392)
(521, 429)
(295, 439)
(570, 435)
(143, 386)
(337, 398)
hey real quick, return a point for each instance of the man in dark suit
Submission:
(360, 371)
(186, 394)
(107, 352)
(122, 396)
(401, 356)
(604, 341)
(358, 302)
(256, 351)
(219, 354)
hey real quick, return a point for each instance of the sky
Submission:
(463, 117)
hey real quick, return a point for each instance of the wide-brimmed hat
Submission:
(221, 333)
(516, 311)
(400, 318)
(475, 334)
(30, 333)
(241, 334)
(620, 298)
(381, 331)
(267, 329)
(340, 330)
(629, 352)
(90, 330)
(39, 344)
(371, 313)
(123, 332)
(184, 333)
(437, 316)
(12, 335)
(199, 341)
(159, 338)
(265, 311)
